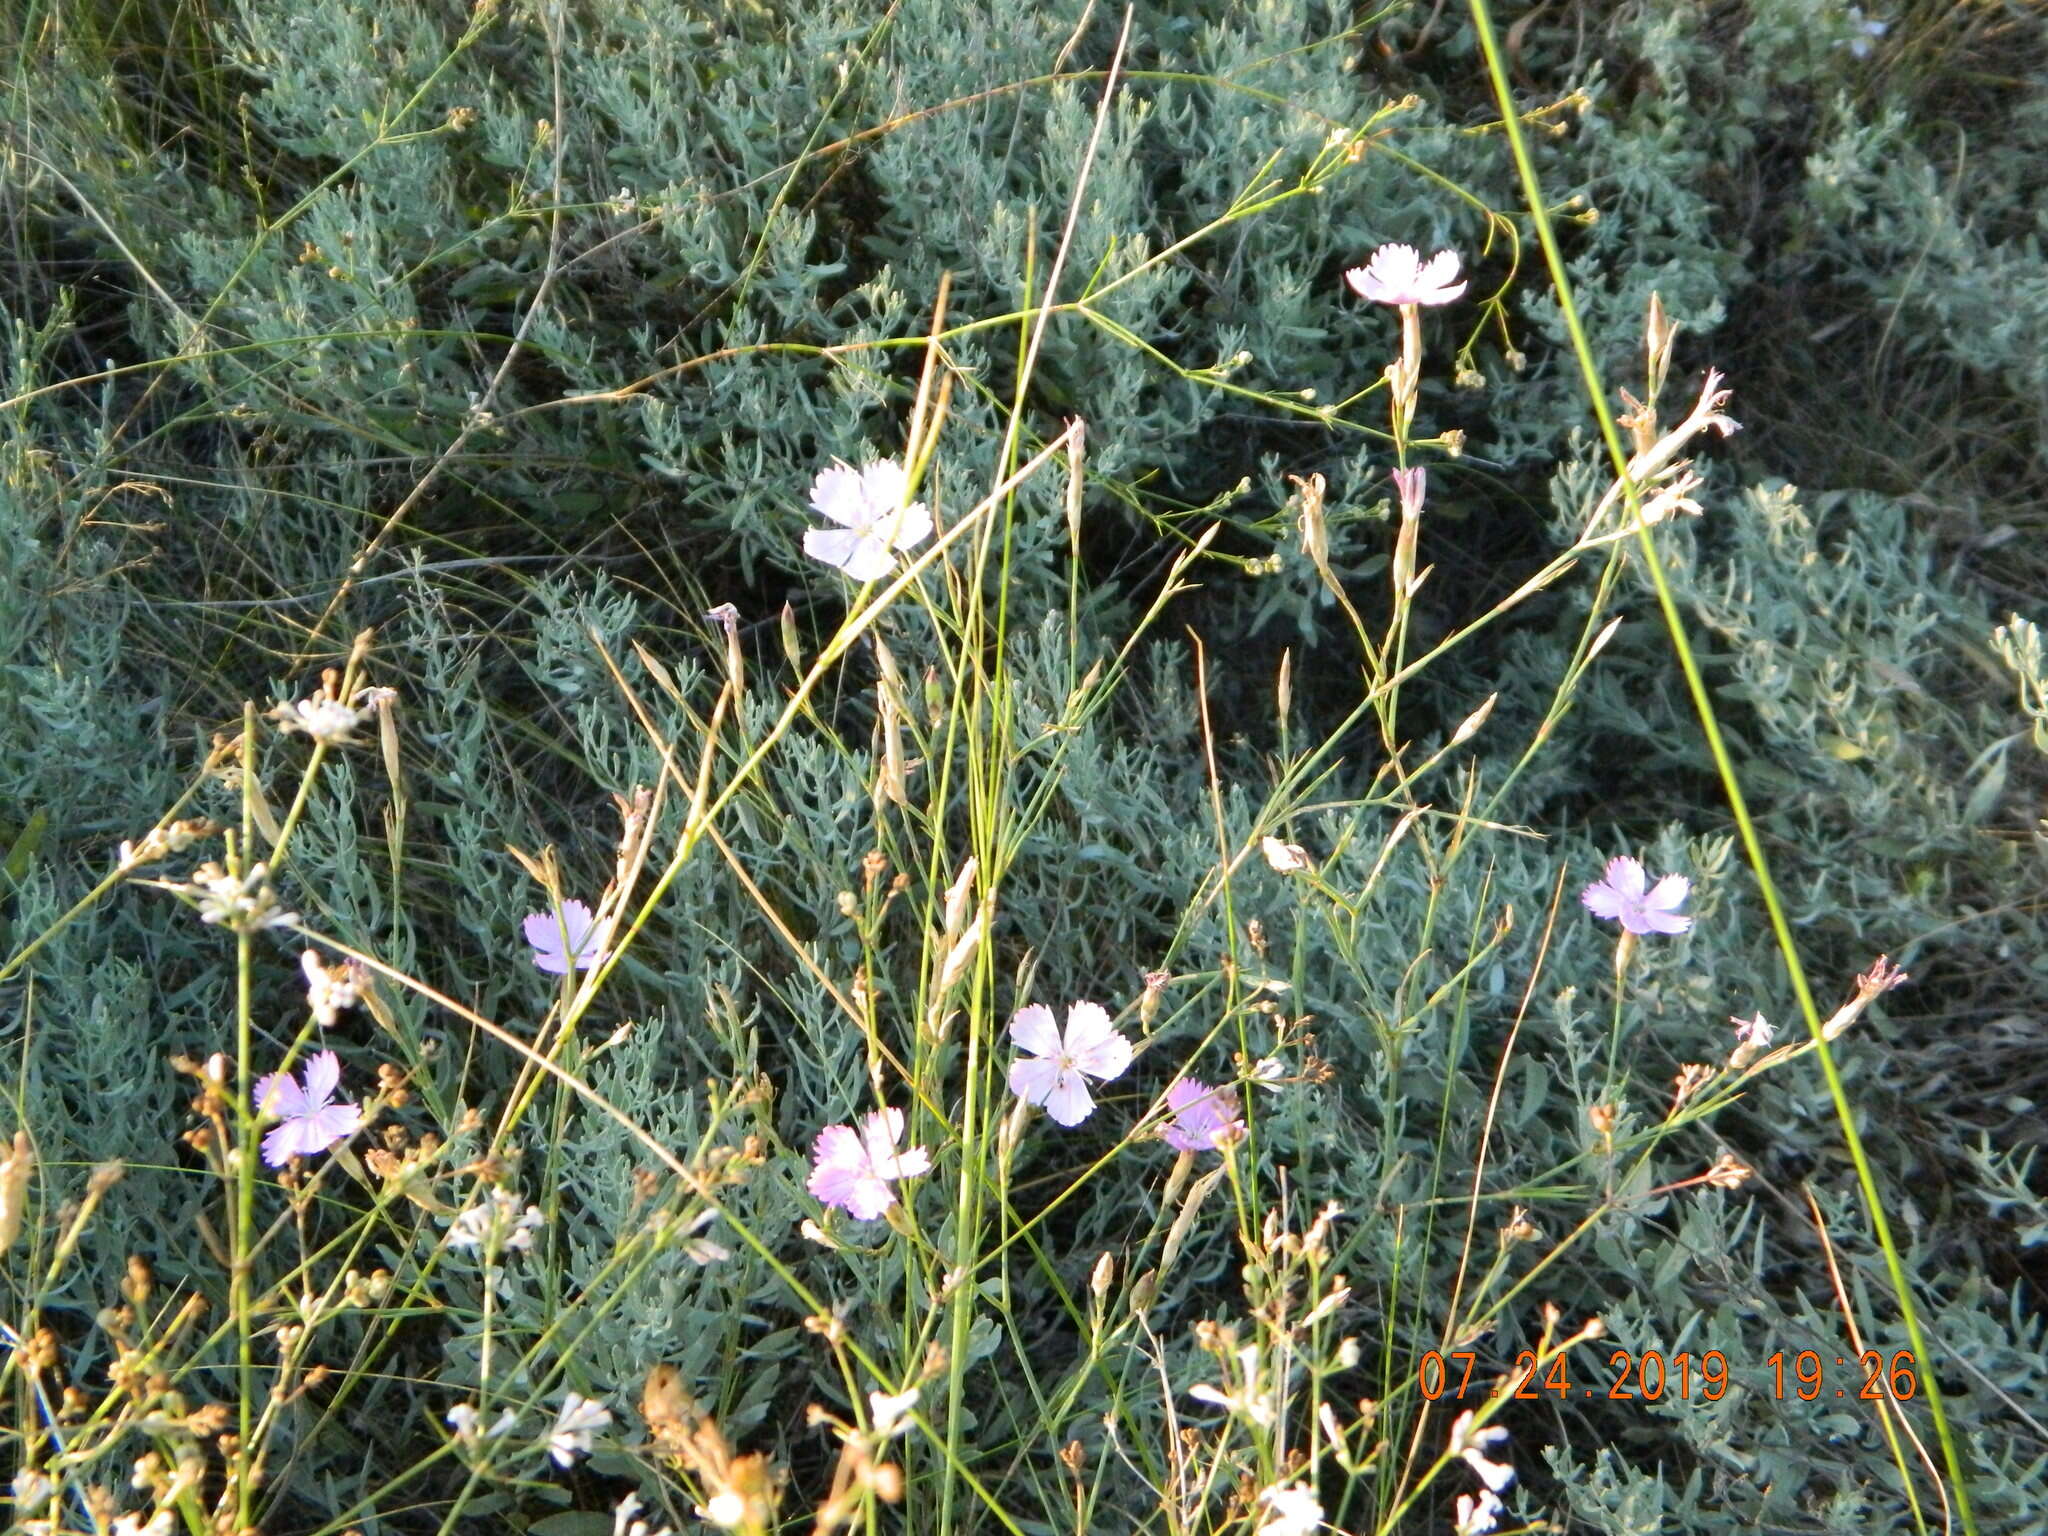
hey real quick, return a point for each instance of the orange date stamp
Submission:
(1653, 1376)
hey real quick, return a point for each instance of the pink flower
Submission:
(867, 504)
(547, 933)
(1397, 274)
(1055, 1074)
(307, 1123)
(853, 1170)
(1626, 894)
(1204, 1118)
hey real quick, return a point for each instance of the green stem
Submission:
(1752, 845)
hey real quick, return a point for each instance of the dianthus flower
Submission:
(1398, 275)
(1626, 894)
(874, 523)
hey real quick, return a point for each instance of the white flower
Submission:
(1056, 1072)
(623, 1523)
(328, 992)
(891, 1413)
(244, 905)
(1284, 858)
(1471, 1446)
(725, 1510)
(495, 1223)
(1756, 1033)
(1479, 1516)
(326, 718)
(874, 523)
(1397, 274)
(580, 1418)
(462, 1418)
(1290, 1511)
(853, 1169)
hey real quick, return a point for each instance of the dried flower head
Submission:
(1728, 1172)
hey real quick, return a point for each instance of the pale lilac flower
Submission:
(1397, 274)
(874, 524)
(547, 933)
(1755, 1033)
(308, 1123)
(853, 1170)
(1204, 1118)
(1472, 1445)
(580, 1418)
(1055, 1074)
(1626, 893)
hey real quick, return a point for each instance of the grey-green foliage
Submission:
(352, 345)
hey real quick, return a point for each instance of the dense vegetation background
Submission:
(521, 333)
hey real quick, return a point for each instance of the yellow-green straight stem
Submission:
(1482, 21)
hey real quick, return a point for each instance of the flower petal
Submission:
(577, 923)
(861, 555)
(1626, 876)
(1602, 900)
(1069, 1103)
(280, 1095)
(1669, 894)
(1034, 1030)
(867, 1198)
(541, 930)
(838, 1146)
(1439, 278)
(337, 1122)
(1033, 1078)
(280, 1145)
(907, 1164)
(323, 1076)
(1093, 1043)
(1656, 920)
(836, 496)
(883, 485)
(906, 529)
(879, 1133)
